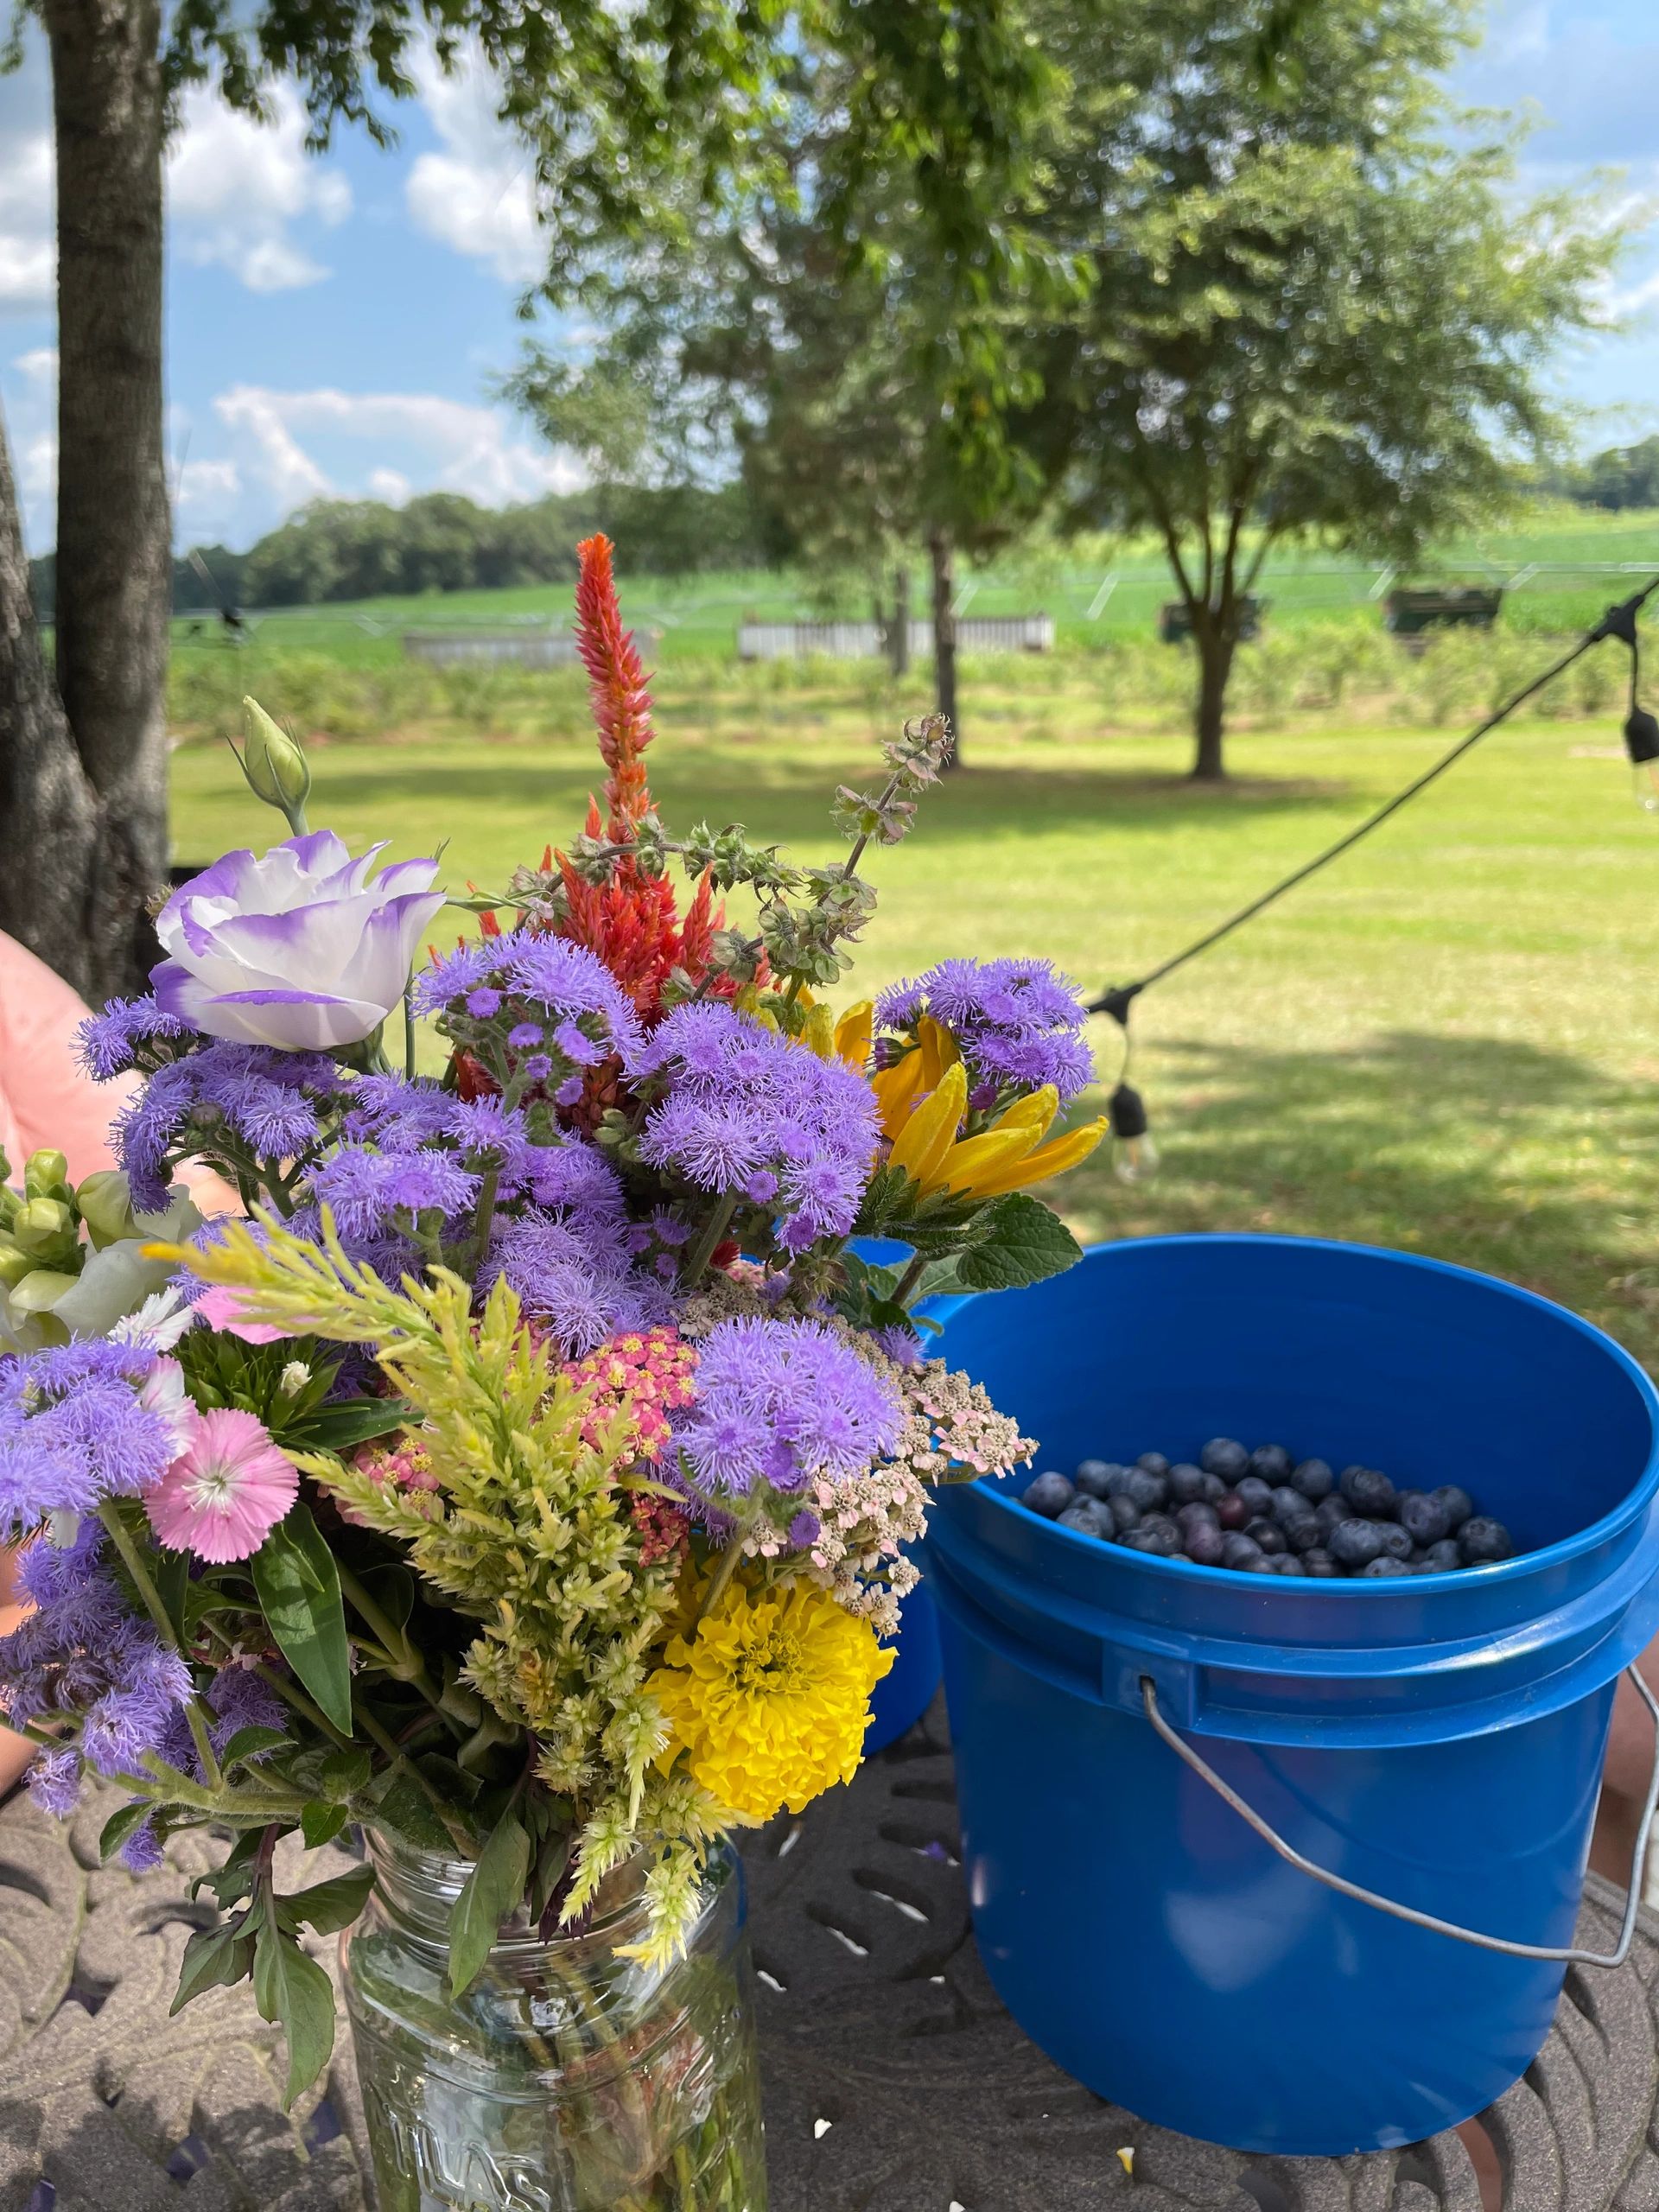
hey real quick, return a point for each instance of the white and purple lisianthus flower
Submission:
(303, 948)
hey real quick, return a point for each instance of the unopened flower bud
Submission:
(104, 1202)
(41, 1221)
(39, 1293)
(15, 1264)
(294, 1378)
(274, 764)
(44, 1172)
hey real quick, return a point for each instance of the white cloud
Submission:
(479, 194)
(449, 444)
(28, 251)
(40, 365)
(206, 495)
(235, 187)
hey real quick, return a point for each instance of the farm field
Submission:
(1449, 1042)
(1101, 593)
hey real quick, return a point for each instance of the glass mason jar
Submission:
(567, 2078)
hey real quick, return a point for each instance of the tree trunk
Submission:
(945, 634)
(49, 817)
(1215, 649)
(899, 640)
(89, 864)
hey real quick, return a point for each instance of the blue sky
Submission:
(334, 325)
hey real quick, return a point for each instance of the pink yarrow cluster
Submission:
(645, 1375)
(405, 1465)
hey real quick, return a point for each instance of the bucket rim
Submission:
(1377, 1588)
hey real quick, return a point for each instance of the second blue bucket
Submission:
(1436, 1738)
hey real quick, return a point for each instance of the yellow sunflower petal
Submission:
(817, 1033)
(938, 1051)
(963, 1165)
(929, 1134)
(896, 1089)
(1034, 1112)
(853, 1035)
(1037, 1167)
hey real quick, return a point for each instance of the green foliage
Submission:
(1340, 328)
(298, 1588)
(1017, 1241)
(494, 1888)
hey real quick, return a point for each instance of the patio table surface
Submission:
(894, 2081)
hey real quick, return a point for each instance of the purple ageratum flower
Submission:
(543, 982)
(1017, 1023)
(370, 1191)
(302, 950)
(111, 1043)
(74, 1430)
(788, 1399)
(54, 1780)
(747, 1111)
(583, 1287)
(267, 1099)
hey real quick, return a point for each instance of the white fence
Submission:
(524, 648)
(982, 633)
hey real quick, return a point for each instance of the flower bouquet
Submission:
(521, 1477)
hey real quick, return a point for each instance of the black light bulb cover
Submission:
(1642, 736)
(1128, 1112)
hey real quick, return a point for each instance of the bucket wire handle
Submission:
(1571, 1956)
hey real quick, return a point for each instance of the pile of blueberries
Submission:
(1259, 1513)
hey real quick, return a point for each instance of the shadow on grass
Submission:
(1497, 1154)
(789, 796)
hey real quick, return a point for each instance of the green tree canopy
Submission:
(1319, 307)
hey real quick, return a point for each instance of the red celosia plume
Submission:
(616, 684)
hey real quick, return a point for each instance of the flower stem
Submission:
(292, 1694)
(109, 1513)
(911, 1277)
(697, 1258)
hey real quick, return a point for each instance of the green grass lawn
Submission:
(1449, 1042)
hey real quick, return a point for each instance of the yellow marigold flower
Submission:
(769, 1699)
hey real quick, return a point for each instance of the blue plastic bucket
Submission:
(1436, 1738)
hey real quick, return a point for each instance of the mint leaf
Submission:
(320, 1824)
(328, 1906)
(1019, 1240)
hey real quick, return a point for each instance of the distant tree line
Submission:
(362, 549)
(1622, 476)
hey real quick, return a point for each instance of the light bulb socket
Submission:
(1128, 1112)
(1642, 736)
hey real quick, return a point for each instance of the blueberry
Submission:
(1287, 1505)
(1236, 1549)
(1095, 1476)
(1396, 1541)
(1214, 1489)
(1355, 1543)
(1286, 1563)
(1196, 1515)
(1457, 1504)
(1272, 1462)
(1266, 1535)
(1154, 1462)
(1303, 1536)
(1482, 1540)
(1259, 1563)
(1445, 1557)
(1329, 1513)
(1381, 1566)
(1231, 1511)
(1423, 1515)
(1314, 1479)
(1203, 1546)
(1369, 1492)
(1089, 1517)
(1126, 1514)
(1222, 1456)
(1157, 1534)
(1257, 1494)
(1319, 1562)
(1148, 1490)
(1185, 1483)
(1049, 1494)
